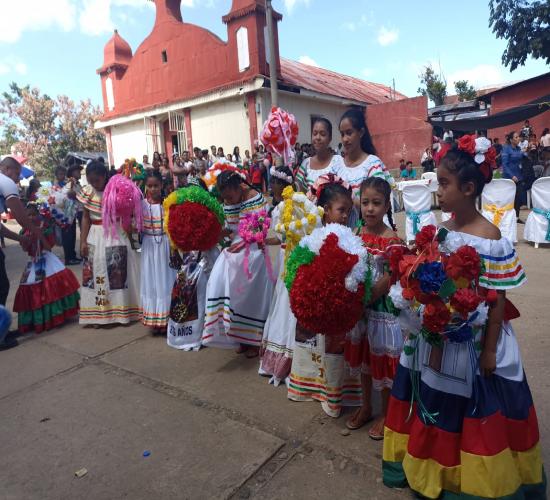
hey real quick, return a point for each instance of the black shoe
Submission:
(73, 262)
(9, 342)
(519, 221)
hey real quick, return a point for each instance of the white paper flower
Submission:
(482, 146)
(481, 318)
(396, 295)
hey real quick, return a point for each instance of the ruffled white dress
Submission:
(306, 176)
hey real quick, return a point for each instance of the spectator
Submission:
(237, 155)
(511, 166)
(409, 173)
(214, 153)
(73, 212)
(146, 164)
(526, 131)
(207, 158)
(498, 148)
(220, 154)
(402, 165)
(10, 170)
(427, 160)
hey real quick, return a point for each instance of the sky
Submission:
(57, 45)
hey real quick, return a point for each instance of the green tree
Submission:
(434, 86)
(525, 24)
(45, 129)
(465, 91)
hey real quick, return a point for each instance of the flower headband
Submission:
(315, 191)
(281, 175)
(483, 152)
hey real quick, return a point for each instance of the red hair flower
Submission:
(464, 301)
(467, 143)
(425, 236)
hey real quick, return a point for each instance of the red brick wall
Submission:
(400, 126)
(515, 96)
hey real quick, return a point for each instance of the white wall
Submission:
(222, 123)
(128, 141)
(303, 108)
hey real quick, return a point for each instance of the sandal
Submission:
(241, 349)
(354, 426)
(375, 435)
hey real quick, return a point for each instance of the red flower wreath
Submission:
(186, 234)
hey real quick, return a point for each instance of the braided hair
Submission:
(466, 169)
(383, 187)
(330, 191)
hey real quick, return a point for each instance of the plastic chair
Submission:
(537, 226)
(497, 206)
(417, 202)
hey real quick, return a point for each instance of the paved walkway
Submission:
(98, 399)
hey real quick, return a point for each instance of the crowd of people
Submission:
(480, 439)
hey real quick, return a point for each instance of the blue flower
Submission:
(431, 276)
(460, 335)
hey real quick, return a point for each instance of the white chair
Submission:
(537, 226)
(417, 201)
(433, 186)
(497, 206)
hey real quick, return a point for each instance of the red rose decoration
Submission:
(465, 301)
(192, 226)
(395, 255)
(425, 236)
(436, 316)
(491, 157)
(467, 143)
(318, 297)
(464, 263)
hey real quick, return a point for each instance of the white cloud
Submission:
(350, 26)
(290, 4)
(367, 72)
(35, 15)
(308, 60)
(10, 65)
(387, 36)
(478, 76)
(355, 25)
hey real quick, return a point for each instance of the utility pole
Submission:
(272, 55)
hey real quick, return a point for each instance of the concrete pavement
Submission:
(98, 399)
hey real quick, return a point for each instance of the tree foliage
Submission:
(45, 129)
(465, 91)
(434, 86)
(525, 24)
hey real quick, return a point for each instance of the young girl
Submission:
(157, 277)
(48, 293)
(317, 371)
(375, 352)
(360, 160)
(324, 161)
(280, 327)
(236, 306)
(110, 276)
(473, 432)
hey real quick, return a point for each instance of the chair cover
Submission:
(497, 206)
(537, 227)
(417, 200)
(432, 177)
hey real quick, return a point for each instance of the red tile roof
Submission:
(329, 82)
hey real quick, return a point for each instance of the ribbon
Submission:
(546, 214)
(498, 212)
(415, 219)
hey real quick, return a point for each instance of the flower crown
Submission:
(281, 175)
(322, 182)
(483, 152)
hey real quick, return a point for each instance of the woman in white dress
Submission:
(360, 160)
(324, 161)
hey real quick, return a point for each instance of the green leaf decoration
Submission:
(368, 286)
(447, 289)
(408, 350)
(442, 234)
(300, 256)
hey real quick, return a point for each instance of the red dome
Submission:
(117, 51)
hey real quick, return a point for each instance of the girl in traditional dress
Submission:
(110, 276)
(324, 161)
(236, 306)
(375, 351)
(360, 160)
(280, 327)
(48, 293)
(318, 368)
(473, 432)
(157, 277)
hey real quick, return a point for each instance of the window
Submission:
(164, 56)
(109, 93)
(242, 49)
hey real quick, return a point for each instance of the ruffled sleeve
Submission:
(376, 168)
(301, 175)
(89, 199)
(503, 270)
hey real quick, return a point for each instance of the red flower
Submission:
(436, 316)
(425, 236)
(491, 157)
(464, 263)
(192, 226)
(318, 297)
(465, 301)
(467, 143)
(395, 255)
